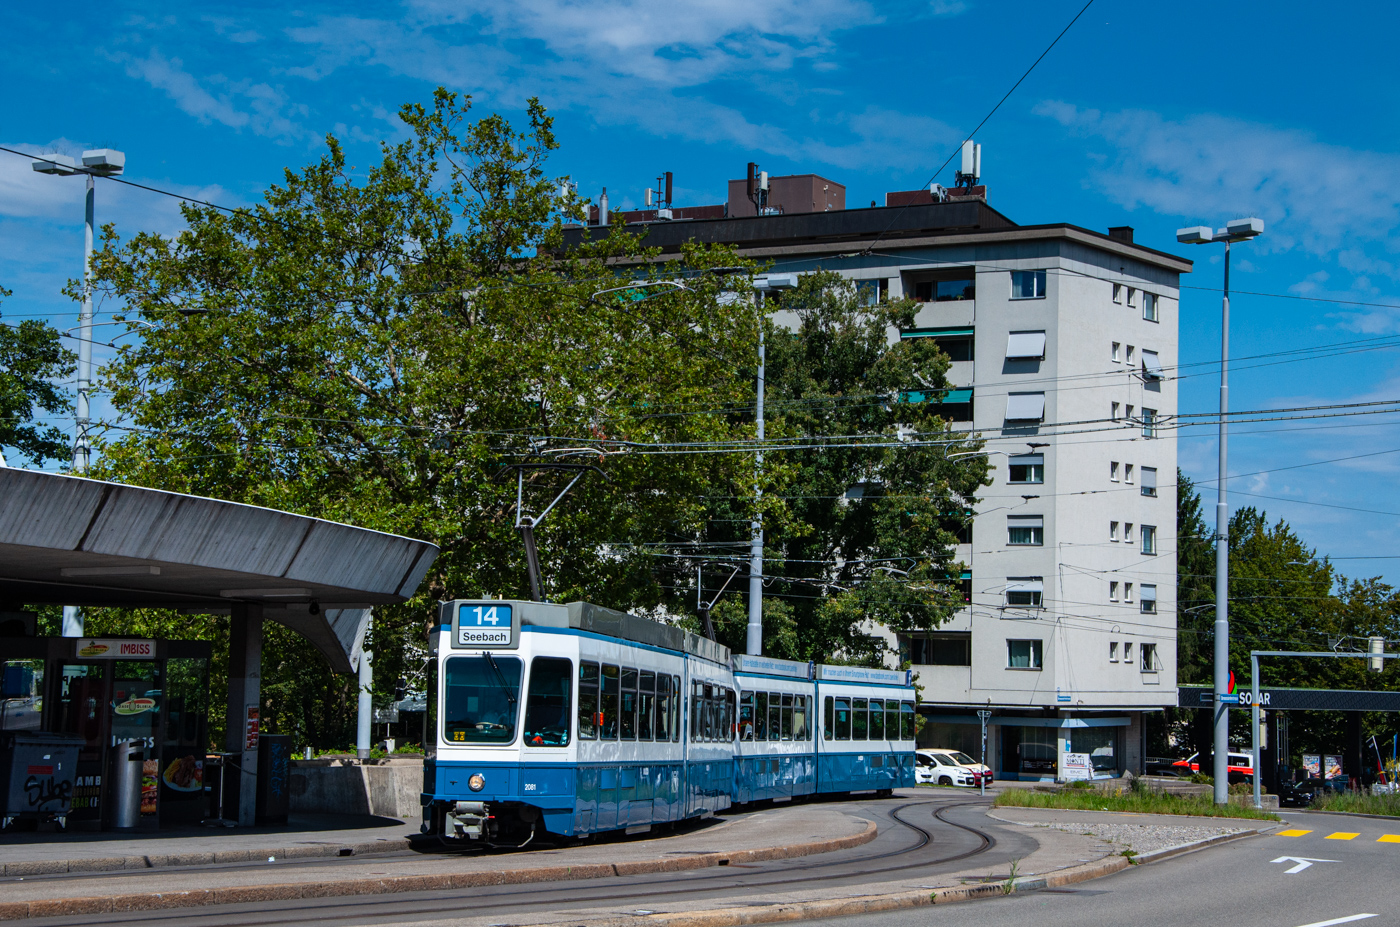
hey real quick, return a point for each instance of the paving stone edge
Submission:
(251, 894)
(164, 860)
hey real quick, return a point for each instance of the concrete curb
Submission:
(161, 861)
(1342, 814)
(249, 894)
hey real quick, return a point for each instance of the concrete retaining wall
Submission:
(388, 788)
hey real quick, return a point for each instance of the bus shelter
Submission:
(72, 541)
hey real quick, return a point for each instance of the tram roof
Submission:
(609, 622)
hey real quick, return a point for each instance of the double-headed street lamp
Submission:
(98, 162)
(1236, 230)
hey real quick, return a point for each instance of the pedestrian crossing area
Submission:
(1337, 835)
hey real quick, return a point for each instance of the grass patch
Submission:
(1358, 804)
(1135, 802)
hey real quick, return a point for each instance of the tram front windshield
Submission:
(482, 699)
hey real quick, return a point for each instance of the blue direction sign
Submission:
(485, 625)
(1228, 698)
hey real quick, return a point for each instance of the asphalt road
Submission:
(1235, 885)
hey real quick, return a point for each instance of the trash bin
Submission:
(37, 772)
(128, 762)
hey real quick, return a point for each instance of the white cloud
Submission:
(259, 107)
(1314, 195)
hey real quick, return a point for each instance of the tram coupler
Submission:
(467, 819)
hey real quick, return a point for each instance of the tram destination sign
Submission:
(485, 626)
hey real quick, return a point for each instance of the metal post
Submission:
(984, 715)
(82, 448)
(1221, 759)
(365, 704)
(1254, 715)
(754, 643)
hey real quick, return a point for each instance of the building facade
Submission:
(1064, 351)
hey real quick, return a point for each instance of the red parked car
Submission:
(1240, 768)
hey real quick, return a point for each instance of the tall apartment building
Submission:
(1064, 349)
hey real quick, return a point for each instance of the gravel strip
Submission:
(1144, 838)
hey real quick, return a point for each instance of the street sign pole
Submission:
(984, 714)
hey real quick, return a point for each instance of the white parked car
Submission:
(946, 767)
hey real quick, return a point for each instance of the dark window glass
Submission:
(859, 724)
(906, 721)
(843, 719)
(892, 719)
(877, 719)
(587, 701)
(957, 348)
(1027, 284)
(548, 704)
(761, 717)
(775, 716)
(828, 720)
(801, 729)
(646, 703)
(746, 703)
(628, 710)
(608, 706)
(787, 717)
(677, 711)
(663, 707)
(483, 693)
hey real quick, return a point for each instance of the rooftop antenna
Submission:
(971, 164)
(661, 195)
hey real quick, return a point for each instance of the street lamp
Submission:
(97, 162)
(753, 642)
(1236, 230)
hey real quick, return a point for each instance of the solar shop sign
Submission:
(1288, 699)
(485, 626)
(92, 648)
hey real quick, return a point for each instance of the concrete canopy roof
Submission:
(72, 541)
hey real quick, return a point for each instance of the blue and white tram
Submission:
(577, 719)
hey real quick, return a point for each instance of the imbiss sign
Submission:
(93, 648)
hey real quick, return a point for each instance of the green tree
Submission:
(373, 346)
(861, 531)
(32, 365)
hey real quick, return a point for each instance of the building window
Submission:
(1113, 471)
(1127, 592)
(1128, 531)
(1118, 293)
(940, 649)
(1024, 591)
(1127, 651)
(1113, 651)
(1151, 366)
(1114, 413)
(1113, 592)
(1025, 346)
(1128, 474)
(1149, 481)
(1028, 284)
(1149, 307)
(1024, 654)
(1149, 658)
(1025, 530)
(1113, 532)
(1114, 353)
(1147, 598)
(1129, 413)
(1027, 468)
(1149, 423)
(1132, 296)
(872, 292)
(1149, 539)
(942, 291)
(1129, 355)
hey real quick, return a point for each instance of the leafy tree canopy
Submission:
(32, 364)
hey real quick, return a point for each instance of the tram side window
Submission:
(787, 716)
(800, 728)
(775, 716)
(843, 719)
(587, 701)
(906, 721)
(731, 716)
(761, 717)
(608, 705)
(828, 720)
(547, 706)
(746, 703)
(877, 719)
(696, 701)
(628, 711)
(859, 726)
(892, 720)
(665, 698)
(677, 711)
(646, 703)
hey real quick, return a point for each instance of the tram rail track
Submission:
(514, 901)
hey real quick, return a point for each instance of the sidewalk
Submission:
(305, 835)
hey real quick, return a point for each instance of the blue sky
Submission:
(1151, 115)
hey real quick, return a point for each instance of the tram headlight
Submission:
(476, 783)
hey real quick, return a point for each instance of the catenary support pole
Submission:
(1221, 759)
(754, 641)
(1254, 716)
(82, 442)
(243, 714)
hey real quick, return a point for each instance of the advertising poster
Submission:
(150, 786)
(1333, 767)
(1312, 765)
(1077, 766)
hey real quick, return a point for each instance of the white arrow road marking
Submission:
(1303, 862)
(1339, 920)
